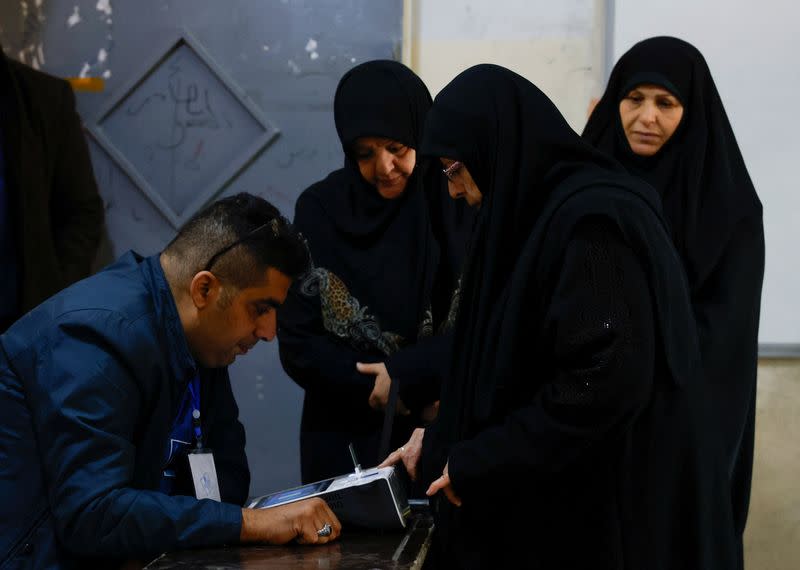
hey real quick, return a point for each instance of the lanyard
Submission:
(188, 418)
(194, 392)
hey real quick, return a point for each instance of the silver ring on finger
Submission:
(326, 530)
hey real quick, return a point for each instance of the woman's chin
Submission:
(391, 192)
(645, 149)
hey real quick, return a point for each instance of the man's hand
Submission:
(408, 454)
(298, 521)
(443, 484)
(379, 397)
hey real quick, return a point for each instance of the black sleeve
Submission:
(727, 307)
(601, 316)
(77, 210)
(419, 369)
(314, 358)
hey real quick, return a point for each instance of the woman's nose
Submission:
(649, 113)
(385, 162)
(453, 190)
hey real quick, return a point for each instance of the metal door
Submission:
(202, 99)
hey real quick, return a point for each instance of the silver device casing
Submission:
(372, 498)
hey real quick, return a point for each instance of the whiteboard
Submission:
(752, 50)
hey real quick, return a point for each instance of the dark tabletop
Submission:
(355, 549)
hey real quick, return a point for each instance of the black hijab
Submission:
(532, 169)
(717, 227)
(700, 174)
(389, 253)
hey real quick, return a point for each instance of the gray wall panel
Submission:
(264, 47)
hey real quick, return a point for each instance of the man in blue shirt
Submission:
(105, 386)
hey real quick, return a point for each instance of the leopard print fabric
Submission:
(344, 317)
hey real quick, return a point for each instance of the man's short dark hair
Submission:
(237, 238)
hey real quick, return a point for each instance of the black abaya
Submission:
(716, 219)
(384, 275)
(572, 421)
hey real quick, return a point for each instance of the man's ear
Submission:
(204, 289)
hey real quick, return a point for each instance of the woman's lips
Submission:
(647, 136)
(390, 183)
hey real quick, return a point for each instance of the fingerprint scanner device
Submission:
(371, 498)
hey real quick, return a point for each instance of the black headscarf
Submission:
(389, 253)
(717, 227)
(540, 182)
(530, 167)
(700, 174)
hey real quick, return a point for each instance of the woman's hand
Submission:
(409, 454)
(443, 484)
(430, 412)
(379, 397)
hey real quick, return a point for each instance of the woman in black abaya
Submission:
(387, 247)
(662, 117)
(571, 431)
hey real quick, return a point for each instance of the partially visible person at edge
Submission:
(51, 215)
(387, 246)
(100, 386)
(573, 430)
(662, 118)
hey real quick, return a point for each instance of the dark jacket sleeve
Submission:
(419, 369)
(601, 318)
(314, 358)
(86, 414)
(318, 361)
(76, 207)
(226, 438)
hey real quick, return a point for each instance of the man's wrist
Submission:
(249, 532)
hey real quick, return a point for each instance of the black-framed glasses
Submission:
(451, 170)
(273, 223)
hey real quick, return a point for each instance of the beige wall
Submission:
(559, 46)
(772, 538)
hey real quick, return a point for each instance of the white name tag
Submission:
(204, 474)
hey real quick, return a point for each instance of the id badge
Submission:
(204, 475)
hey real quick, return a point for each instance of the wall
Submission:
(285, 57)
(559, 46)
(772, 537)
(751, 48)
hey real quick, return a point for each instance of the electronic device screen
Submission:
(292, 494)
(372, 498)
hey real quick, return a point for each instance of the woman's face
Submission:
(460, 183)
(384, 163)
(650, 116)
